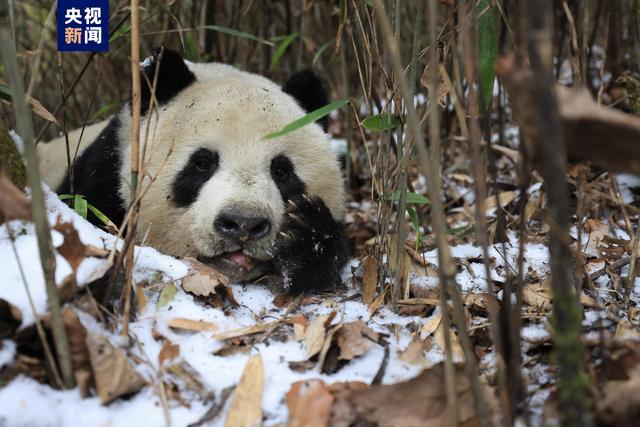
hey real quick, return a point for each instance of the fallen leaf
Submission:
(72, 249)
(300, 324)
(597, 231)
(14, 204)
(191, 325)
(113, 373)
(206, 281)
(95, 251)
(431, 325)
(309, 404)
(245, 409)
(355, 339)
(373, 307)
(456, 348)
(537, 295)
(369, 279)
(505, 198)
(316, 331)
(167, 294)
(80, 357)
(421, 402)
(414, 353)
(249, 330)
(169, 351)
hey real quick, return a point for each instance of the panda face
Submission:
(220, 189)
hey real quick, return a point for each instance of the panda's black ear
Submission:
(310, 91)
(173, 76)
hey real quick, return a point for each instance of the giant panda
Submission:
(221, 192)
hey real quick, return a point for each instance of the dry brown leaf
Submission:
(316, 332)
(191, 325)
(309, 404)
(248, 330)
(80, 358)
(418, 402)
(39, 109)
(597, 231)
(206, 281)
(431, 325)
(112, 371)
(10, 318)
(456, 348)
(414, 353)
(169, 351)
(95, 251)
(355, 339)
(373, 307)
(588, 301)
(14, 204)
(300, 324)
(328, 368)
(369, 279)
(141, 299)
(246, 404)
(72, 249)
(537, 295)
(505, 197)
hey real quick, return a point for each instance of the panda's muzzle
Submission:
(241, 229)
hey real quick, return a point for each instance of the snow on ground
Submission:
(26, 402)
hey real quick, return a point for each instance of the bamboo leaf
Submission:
(412, 198)
(281, 49)
(80, 206)
(236, 33)
(381, 122)
(309, 118)
(487, 51)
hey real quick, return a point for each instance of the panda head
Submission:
(219, 189)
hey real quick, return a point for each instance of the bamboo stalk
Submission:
(470, 60)
(446, 267)
(38, 208)
(135, 159)
(573, 381)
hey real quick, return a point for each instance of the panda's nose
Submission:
(241, 228)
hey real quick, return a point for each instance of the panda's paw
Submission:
(310, 249)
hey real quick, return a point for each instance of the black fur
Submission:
(310, 91)
(97, 174)
(201, 166)
(284, 175)
(173, 76)
(311, 248)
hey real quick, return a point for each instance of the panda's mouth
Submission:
(238, 266)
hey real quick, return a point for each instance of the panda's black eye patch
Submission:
(201, 166)
(284, 175)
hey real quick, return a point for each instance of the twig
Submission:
(38, 208)
(39, 328)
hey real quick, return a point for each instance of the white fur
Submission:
(228, 111)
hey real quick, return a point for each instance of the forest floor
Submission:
(218, 354)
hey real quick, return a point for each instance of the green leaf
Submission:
(321, 50)
(80, 206)
(102, 217)
(381, 122)
(281, 49)
(105, 110)
(309, 118)
(66, 196)
(487, 51)
(412, 198)
(167, 294)
(236, 33)
(191, 48)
